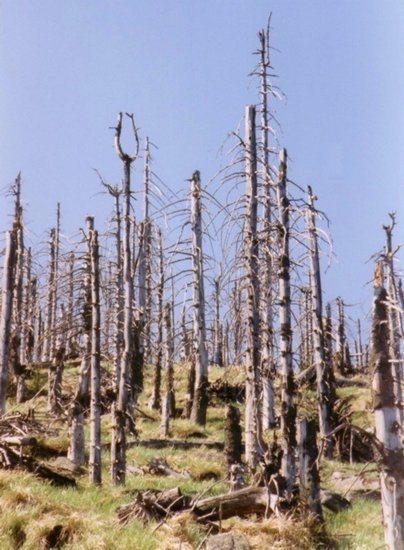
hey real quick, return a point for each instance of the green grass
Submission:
(30, 508)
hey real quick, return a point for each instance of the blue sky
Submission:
(68, 66)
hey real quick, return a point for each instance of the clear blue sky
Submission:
(68, 66)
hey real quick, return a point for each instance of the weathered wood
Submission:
(288, 405)
(200, 399)
(322, 366)
(387, 423)
(18, 441)
(119, 410)
(308, 466)
(247, 501)
(6, 314)
(95, 404)
(253, 443)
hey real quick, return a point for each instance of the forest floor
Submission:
(37, 515)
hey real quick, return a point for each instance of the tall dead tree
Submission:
(6, 314)
(95, 404)
(81, 396)
(394, 314)
(342, 357)
(168, 406)
(200, 400)
(387, 421)
(267, 282)
(119, 412)
(325, 404)
(155, 397)
(217, 355)
(144, 261)
(16, 353)
(288, 406)
(253, 448)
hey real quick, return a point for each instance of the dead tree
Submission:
(394, 314)
(387, 421)
(266, 291)
(308, 466)
(119, 413)
(144, 270)
(342, 356)
(95, 404)
(253, 447)
(359, 346)
(155, 397)
(81, 397)
(288, 406)
(71, 333)
(6, 314)
(218, 332)
(237, 320)
(325, 404)
(200, 400)
(168, 406)
(16, 353)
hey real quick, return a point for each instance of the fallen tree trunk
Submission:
(151, 504)
(247, 501)
(10, 459)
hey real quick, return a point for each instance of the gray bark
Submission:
(119, 412)
(325, 404)
(95, 405)
(6, 314)
(200, 401)
(387, 422)
(288, 406)
(253, 448)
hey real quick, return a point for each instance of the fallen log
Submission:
(152, 504)
(244, 502)
(10, 459)
(159, 466)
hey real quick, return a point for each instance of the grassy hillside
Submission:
(36, 515)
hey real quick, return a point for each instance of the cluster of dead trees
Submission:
(155, 298)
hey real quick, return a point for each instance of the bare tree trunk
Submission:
(76, 452)
(359, 346)
(200, 401)
(237, 319)
(119, 412)
(95, 407)
(266, 292)
(394, 317)
(71, 339)
(309, 473)
(218, 333)
(288, 406)
(6, 314)
(16, 353)
(145, 276)
(253, 447)
(155, 398)
(342, 358)
(168, 407)
(387, 422)
(325, 403)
